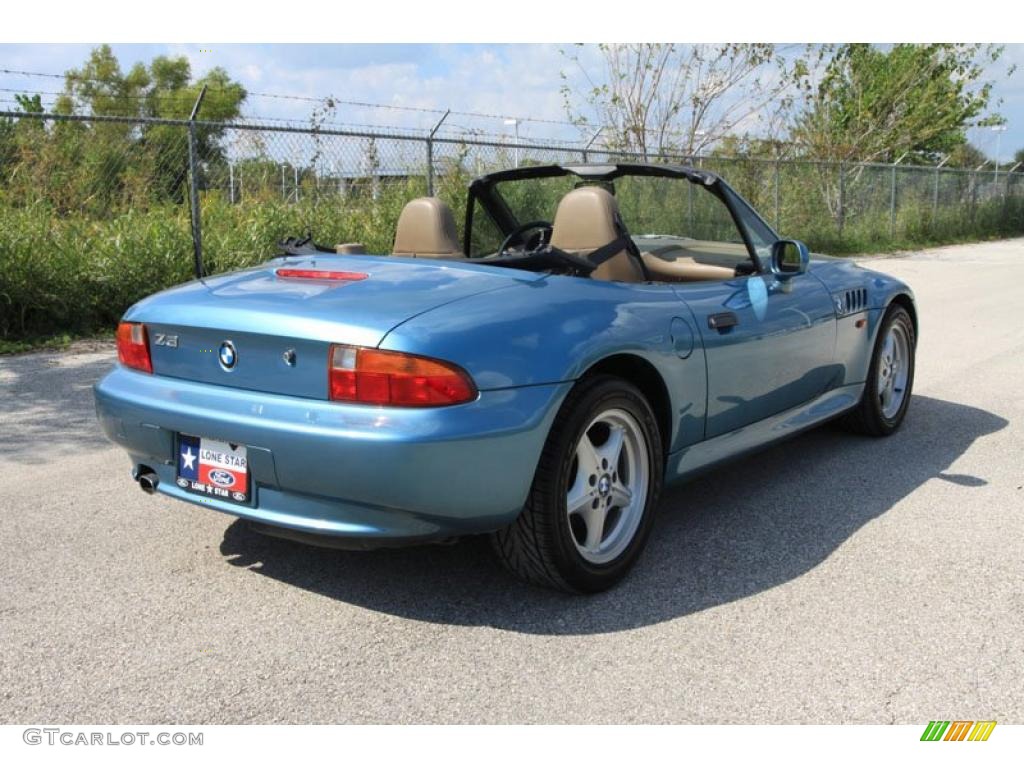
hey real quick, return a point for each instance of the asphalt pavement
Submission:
(830, 579)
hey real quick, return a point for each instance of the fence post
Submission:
(1006, 184)
(586, 149)
(193, 164)
(341, 180)
(430, 167)
(777, 206)
(935, 191)
(892, 198)
(1006, 187)
(892, 206)
(974, 194)
(842, 199)
(1013, 192)
(689, 207)
(1010, 178)
(430, 152)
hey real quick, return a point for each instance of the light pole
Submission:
(515, 127)
(1000, 130)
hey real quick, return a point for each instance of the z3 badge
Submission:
(165, 340)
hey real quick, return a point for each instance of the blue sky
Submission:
(503, 80)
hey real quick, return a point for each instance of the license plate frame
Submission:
(213, 468)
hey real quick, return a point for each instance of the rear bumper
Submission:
(370, 474)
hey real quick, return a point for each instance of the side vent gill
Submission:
(855, 300)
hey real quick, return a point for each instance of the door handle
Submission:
(723, 321)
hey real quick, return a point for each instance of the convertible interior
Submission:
(587, 235)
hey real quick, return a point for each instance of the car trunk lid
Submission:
(261, 331)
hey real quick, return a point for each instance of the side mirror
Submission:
(789, 258)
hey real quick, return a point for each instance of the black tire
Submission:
(539, 546)
(868, 418)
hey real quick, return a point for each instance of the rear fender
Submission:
(554, 330)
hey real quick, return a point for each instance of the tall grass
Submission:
(76, 272)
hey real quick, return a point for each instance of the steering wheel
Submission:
(516, 235)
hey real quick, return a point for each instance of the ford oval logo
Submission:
(228, 356)
(222, 478)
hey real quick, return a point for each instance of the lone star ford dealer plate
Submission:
(213, 468)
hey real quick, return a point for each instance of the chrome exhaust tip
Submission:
(148, 481)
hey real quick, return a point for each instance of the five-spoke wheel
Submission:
(608, 486)
(890, 377)
(893, 369)
(591, 506)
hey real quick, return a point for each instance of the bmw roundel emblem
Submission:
(227, 355)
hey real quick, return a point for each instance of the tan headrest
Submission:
(426, 227)
(585, 220)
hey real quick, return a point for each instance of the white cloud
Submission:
(510, 80)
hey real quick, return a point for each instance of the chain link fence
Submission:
(96, 212)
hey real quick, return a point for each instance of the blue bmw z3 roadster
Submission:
(599, 331)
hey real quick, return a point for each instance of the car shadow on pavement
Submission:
(744, 528)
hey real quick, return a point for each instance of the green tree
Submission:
(747, 146)
(967, 156)
(907, 103)
(124, 159)
(12, 130)
(866, 104)
(29, 104)
(163, 88)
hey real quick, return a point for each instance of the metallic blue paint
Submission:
(462, 468)
(555, 329)
(710, 453)
(779, 355)
(362, 312)
(399, 474)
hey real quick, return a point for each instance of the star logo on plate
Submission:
(188, 457)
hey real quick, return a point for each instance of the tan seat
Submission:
(426, 228)
(585, 221)
(693, 261)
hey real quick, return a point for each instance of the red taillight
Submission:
(376, 377)
(133, 347)
(321, 274)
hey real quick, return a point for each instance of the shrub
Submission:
(75, 270)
